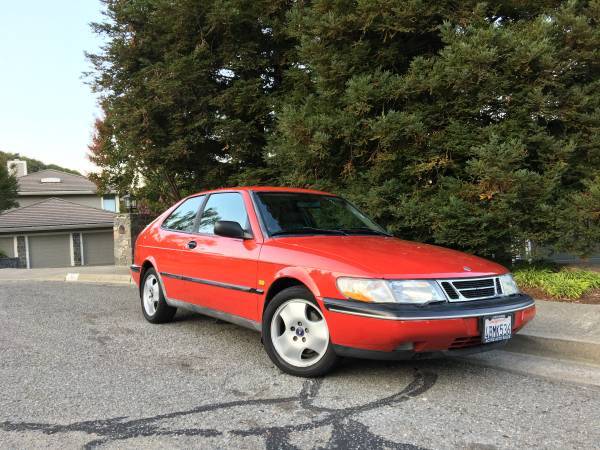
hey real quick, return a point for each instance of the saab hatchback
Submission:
(321, 280)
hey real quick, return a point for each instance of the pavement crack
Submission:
(344, 426)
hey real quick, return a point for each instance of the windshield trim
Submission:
(267, 234)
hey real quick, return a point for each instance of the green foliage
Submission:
(3, 255)
(188, 91)
(470, 125)
(33, 165)
(566, 283)
(8, 189)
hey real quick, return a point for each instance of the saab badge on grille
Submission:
(467, 268)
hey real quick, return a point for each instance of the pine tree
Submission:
(8, 189)
(466, 124)
(474, 127)
(187, 90)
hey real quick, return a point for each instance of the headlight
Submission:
(366, 289)
(394, 291)
(508, 284)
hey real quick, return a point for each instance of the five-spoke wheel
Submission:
(154, 306)
(151, 294)
(299, 332)
(296, 335)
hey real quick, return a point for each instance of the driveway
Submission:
(81, 368)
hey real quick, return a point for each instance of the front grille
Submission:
(471, 288)
(472, 284)
(450, 292)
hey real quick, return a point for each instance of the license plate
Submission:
(496, 328)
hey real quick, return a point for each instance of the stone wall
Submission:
(126, 229)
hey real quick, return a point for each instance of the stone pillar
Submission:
(122, 236)
(22, 252)
(126, 229)
(77, 249)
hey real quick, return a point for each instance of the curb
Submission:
(581, 351)
(99, 278)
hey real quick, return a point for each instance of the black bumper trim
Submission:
(403, 355)
(135, 268)
(437, 311)
(234, 287)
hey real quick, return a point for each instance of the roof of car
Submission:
(269, 189)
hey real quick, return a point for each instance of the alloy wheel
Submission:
(151, 295)
(299, 333)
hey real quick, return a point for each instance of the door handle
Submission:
(191, 244)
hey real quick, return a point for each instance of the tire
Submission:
(154, 306)
(293, 348)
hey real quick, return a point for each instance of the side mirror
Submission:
(228, 228)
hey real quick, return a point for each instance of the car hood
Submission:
(387, 257)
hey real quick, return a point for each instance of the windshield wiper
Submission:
(308, 230)
(366, 230)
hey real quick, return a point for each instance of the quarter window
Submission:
(183, 218)
(225, 206)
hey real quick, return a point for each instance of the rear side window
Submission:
(225, 206)
(183, 218)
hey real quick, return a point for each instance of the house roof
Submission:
(54, 181)
(54, 214)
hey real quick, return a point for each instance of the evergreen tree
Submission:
(472, 126)
(8, 189)
(187, 91)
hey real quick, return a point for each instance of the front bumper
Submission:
(135, 271)
(394, 331)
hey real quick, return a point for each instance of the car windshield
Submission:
(289, 213)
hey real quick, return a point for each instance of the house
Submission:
(61, 221)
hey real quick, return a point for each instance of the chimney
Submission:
(17, 167)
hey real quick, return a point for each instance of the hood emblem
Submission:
(467, 268)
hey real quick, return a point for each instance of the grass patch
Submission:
(566, 282)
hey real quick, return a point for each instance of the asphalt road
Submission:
(79, 367)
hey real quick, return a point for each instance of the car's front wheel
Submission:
(295, 334)
(154, 306)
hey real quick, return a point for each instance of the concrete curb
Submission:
(99, 278)
(581, 351)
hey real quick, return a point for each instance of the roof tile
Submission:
(68, 182)
(54, 212)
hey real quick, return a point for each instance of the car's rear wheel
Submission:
(154, 306)
(296, 335)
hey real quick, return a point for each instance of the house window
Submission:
(109, 203)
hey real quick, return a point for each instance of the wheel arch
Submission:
(150, 263)
(287, 279)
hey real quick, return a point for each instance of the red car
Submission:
(320, 280)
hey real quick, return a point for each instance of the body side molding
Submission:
(235, 287)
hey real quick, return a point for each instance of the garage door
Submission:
(50, 251)
(98, 249)
(7, 246)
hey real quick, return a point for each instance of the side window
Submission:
(226, 206)
(182, 219)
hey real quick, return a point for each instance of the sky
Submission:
(47, 111)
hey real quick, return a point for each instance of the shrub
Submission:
(563, 282)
